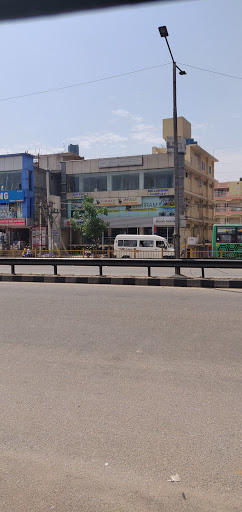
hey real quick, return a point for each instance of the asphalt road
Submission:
(107, 391)
(119, 271)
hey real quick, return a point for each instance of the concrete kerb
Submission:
(131, 281)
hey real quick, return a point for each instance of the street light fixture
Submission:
(164, 33)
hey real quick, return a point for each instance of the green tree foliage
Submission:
(92, 225)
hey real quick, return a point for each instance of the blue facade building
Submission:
(16, 199)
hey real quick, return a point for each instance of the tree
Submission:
(91, 224)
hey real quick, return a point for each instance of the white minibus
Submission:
(142, 246)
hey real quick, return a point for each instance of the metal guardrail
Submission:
(109, 262)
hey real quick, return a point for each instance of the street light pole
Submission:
(176, 174)
(164, 33)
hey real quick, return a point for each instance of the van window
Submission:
(160, 243)
(146, 243)
(130, 243)
(120, 243)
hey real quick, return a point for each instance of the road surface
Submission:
(108, 391)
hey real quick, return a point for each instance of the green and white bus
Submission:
(227, 241)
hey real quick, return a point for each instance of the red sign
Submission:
(36, 236)
(12, 222)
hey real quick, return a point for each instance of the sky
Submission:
(123, 115)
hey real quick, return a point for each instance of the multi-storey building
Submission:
(138, 191)
(228, 202)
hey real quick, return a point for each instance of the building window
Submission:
(72, 183)
(222, 192)
(129, 181)
(210, 169)
(94, 183)
(187, 175)
(11, 210)
(158, 179)
(11, 180)
(86, 182)
(197, 158)
(210, 185)
(196, 178)
(55, 182)
(204, 182)
(203, 166)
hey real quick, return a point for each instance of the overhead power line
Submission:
(46, 91)
(211, 71)
(111, 77)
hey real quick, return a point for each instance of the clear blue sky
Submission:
(123, 116)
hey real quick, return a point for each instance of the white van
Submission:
(142, 246)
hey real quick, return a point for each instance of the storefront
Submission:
(13, 233)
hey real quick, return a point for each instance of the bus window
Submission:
(226, 235)
(160, 243)
(130, 243)
(146, 243)
(120, 243)
(239, 235)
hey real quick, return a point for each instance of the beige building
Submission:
(198, 183)
(228, 202)
(138, 191)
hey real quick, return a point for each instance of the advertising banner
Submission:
(36, 236)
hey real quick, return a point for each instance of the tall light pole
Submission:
(164, 33)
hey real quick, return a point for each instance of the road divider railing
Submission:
(131, 263)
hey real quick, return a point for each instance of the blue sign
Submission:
(12, 196)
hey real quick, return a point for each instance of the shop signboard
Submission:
(164, 221)
(12, 223)
(78, 195)
(106, 201)
(129, 201)
(12, 196)
(118, 201)
(103, 163)
(157, 192)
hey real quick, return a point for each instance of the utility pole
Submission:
(40, 225)
(48, 206)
